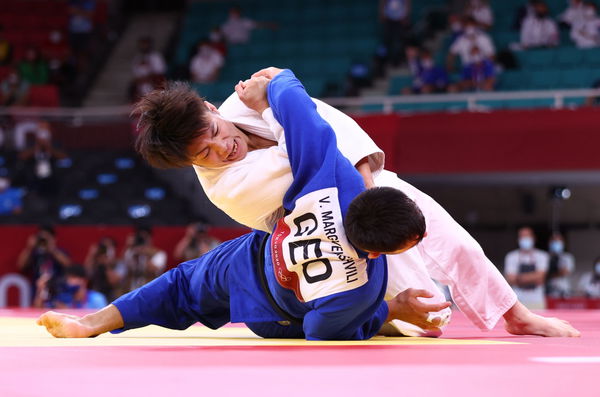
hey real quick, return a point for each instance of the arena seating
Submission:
(563, 67)
(319, 40)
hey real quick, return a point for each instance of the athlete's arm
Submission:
(344, 317)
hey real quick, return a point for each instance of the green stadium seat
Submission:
(514, 80)
(372, 108)
(576, 78)
(574, 102)
(569, 57)
(592, 57)
(492, 104)
(398, 83)
(537, 59)
(529, 103)
(545, 79)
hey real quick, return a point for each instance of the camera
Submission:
(139, 240)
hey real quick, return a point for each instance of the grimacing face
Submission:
(221, 144)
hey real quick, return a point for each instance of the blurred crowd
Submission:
(48, 56)
(536, 274)
(207, 57)
(108, 270)
(472, 45)
(28, 164)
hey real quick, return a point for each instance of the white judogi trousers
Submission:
(450, 255)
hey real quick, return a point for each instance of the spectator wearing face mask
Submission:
(538, 29)
(586, 33)
(13, 90)
(148, 69)
(73, 291)
(463, 45)
(573, 15)
(206, 64)
(525, 270)
(561, 265)
(481, 11)
(479, 74)
(427, 76)
(33, 68)
(589, 284)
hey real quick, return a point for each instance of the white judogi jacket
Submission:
(233, 187)
(251, 191)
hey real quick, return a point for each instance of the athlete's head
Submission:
(383, 220)
(177, 128)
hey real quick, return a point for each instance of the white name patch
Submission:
(310, 251)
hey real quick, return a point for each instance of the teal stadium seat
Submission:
(545, 79)
(514, 80)
(529, 103)
(372, 108)
(576, 78)
(398, 83)
(569, 57)
(592, 57)
(537, 59)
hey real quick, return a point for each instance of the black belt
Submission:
(263, 283)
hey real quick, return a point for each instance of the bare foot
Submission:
(64, 325)
(521, 321)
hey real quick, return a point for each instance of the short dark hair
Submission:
(383, 219)
(169, 120)
(75, 270)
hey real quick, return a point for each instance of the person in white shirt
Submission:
(561, 265)
(206, 64)
(148, 61)
(538, 29)
(573, 15)
(237, 29)
(464, 44)
(525, 270)
(481, 11)
(586, 33)
(589, 284)
(148, 69)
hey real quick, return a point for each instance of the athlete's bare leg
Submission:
(521, 321)
(67, 326)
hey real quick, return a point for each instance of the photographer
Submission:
(73, 292)
(100, 264)
(195, 243)
(43, 263)
(142, 262)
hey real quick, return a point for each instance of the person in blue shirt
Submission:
(428, 78)
(307, 279)
(74, 292)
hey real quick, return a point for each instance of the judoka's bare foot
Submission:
(67, 326)
(521, 321)
(64, 325)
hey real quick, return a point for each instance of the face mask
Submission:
(597, 268)
(557, 246)
(55, 36)
(526, 243)
(72, 289)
